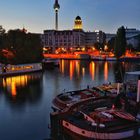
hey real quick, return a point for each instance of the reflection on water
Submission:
(26, 100)
(106, 71)
(15, 87)
(12, 83)
(96, 70)
(92, 70)
(79, 68)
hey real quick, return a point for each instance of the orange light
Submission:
(92, 70)
(106, 71)
(71, 70)
(83, 72)
(106, 48)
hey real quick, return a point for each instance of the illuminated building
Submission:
(76, 38)
(78, 23)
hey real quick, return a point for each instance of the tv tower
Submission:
(56, 8)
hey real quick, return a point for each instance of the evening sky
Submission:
(37, 15)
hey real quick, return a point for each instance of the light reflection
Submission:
(71, 70)
(13, 89)
(78, 68)
(62, 67)
(11, 83)
(83, 72)
(92, 70)
(106, 71)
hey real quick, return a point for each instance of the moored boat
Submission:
(50, 62)
(98, 120)
(66, 99)
(99, 117)
(9, 70)
(111, 58)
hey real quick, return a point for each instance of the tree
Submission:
(120, 42)
(2, 34)
(2, 30)
(130, 47)
(111, 43)
(25, 47)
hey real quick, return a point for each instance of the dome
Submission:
(78, 18)
(78, 23)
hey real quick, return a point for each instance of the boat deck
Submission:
(100, 117)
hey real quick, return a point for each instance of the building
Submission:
(109, 36)
(132, 37)
(63, 39)
(66, 40)
(75, 39)
(131, 32)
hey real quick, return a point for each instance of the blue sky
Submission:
(37, 15)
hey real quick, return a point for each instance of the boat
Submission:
(66, 99)
(111, 58)
(100, 116)
(98, 120)
(10, 70)
(50, 62)
(98, 58)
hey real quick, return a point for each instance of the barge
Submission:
(100, 120)
(66, 99)
(50, 62)
(10, 70)
(100, 116)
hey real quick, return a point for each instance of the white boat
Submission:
(8, 70)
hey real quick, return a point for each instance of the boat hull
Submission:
(77, 133)
(21, 69)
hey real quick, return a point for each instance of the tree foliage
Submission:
(120, 42)
(2, 30)
(111, 44)
(25, 47)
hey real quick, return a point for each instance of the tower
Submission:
(56, 8)
(78, 23)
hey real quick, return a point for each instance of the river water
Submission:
(25, 101)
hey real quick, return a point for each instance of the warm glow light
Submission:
(11, 83)
(106, 48)
(78, 68)
(13, 89)
(83, 49)
(93, 48)
(92, 70)
(62, 66)
(83, 72)
(78, 24)
(45, 49)
(71, 70)
(106, 71)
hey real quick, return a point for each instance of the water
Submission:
(25, 101)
